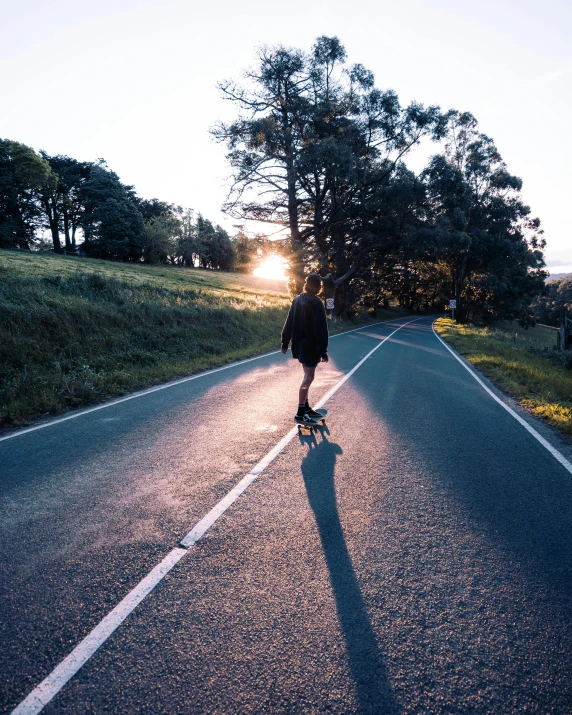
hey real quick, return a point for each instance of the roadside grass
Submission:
(75, 331)
(523, 363)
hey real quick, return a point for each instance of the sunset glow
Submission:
(271, 267)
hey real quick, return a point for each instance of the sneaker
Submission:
(312, 414)
(304, 420)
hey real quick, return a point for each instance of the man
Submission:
(307, 327)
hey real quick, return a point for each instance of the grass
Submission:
(523, 363)
(77, 331)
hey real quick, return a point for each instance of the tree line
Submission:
(556, 303)
(318, 150)
(318, 153)
(84, 206)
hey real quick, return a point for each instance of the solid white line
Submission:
(134, 396)
(50, 686)
(165, 386)
(553, 451)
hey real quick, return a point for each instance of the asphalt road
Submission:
(413, 557)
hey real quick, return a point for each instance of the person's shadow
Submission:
(368, 671)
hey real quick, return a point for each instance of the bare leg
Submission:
(308, 379)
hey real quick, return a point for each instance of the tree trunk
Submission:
(53, 221)
(67, 231)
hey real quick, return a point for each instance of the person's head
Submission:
(313, 284)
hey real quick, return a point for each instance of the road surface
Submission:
(413, 557)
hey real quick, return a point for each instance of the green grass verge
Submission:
(523, 363)
(75, 331)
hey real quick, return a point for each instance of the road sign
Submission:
(452, 304)
(330, 303)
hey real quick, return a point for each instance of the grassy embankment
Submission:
(523, 363)
(78, 331)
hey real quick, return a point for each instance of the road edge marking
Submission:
(43, 693)
(544, 442)
(165, 386)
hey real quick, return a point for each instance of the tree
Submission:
(213, 245)
(246, 252)
(556, 302)
(112, 224)
(23, 175)
(153, 208)
(161, 238)
(61, 200)
(480, 229)
(187, 247)
(312, 144)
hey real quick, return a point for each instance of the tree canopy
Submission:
(72, 199)
(319, 152)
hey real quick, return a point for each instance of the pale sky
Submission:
(134, 82)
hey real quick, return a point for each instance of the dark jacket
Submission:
(306, 320)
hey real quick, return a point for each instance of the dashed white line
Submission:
(55, 681)
(553, 451)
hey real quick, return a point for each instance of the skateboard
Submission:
(317, 423)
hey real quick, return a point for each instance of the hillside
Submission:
(557, 276)
(76, 331)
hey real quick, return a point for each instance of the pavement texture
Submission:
(413, 556)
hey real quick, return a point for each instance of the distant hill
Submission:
(557, 276)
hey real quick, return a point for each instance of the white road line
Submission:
(48, 688)
(553, 451)
(55, 681)
(165, 386)
(134, 396)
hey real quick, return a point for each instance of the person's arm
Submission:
(287, 329)
(321, 330)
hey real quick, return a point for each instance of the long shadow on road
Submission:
(366, 663)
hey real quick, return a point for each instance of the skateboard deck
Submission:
(318, 421)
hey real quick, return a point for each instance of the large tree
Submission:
(480, 230)
(314, 142)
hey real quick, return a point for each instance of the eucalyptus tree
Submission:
(314, 144)
(481, 230)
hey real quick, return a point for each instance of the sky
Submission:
(134, 82)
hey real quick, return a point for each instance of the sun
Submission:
(271, 267)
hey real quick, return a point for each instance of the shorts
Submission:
(308, 356)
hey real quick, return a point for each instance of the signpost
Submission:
(452, 305)
(329, 290)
